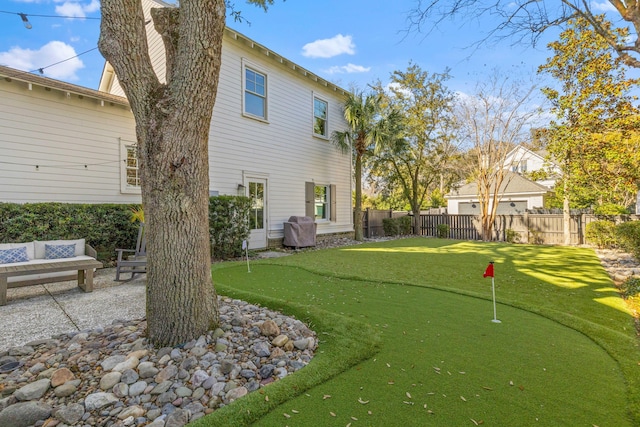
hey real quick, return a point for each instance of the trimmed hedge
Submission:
(109, 226)
(104, 226)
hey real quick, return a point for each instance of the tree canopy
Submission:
(594, 136)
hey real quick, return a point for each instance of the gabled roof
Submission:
(108, 74)
(513, 183)
(11, 74)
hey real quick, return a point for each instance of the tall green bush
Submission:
(628, 236)
(602, 233)
(104, 226)
(228, 225)
(397, 226)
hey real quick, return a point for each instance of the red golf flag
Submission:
(489, 271)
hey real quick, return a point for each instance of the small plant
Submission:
(137, 214)
(535, 237)
(443, 231)
(630, 287)
(602, 233)
(512, 236)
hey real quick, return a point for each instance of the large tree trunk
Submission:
(172, 128)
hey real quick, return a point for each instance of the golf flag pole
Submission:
(489, 273)
(245, 248)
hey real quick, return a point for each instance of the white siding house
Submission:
(269, 140)
(60, 142)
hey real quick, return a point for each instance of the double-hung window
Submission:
(320, 201)
(320, 122)
(255, 93)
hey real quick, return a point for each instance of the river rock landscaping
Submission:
(113, 377)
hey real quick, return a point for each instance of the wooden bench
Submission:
(84, 267)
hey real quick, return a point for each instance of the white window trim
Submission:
(124, 187)
(247, 64)
(313, 116)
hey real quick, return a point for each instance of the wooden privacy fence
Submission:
(530, 228)
(372, 221)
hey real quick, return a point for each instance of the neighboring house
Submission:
(517, 193)
(269, 140)
(523, 161)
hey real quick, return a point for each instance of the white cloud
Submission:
(328, 48)
(349, 68)
(603, 6)
(50, 53)
(389, 88)
(76, 9)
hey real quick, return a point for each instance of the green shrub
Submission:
(512, 236)
(602, 233)
(628, 237)
(397, 226)
(442, 231)
(109, 226)
(228, 225)
(610, 209)
(630, 287)
(104, 226)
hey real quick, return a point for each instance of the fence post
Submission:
(525, 219)
(365, 223)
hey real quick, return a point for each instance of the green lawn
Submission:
(407, 338)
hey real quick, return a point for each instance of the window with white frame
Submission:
(255, 93)
(130, 172)
(320, 122)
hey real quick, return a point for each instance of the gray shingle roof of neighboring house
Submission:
(13, 74)
(513, 184)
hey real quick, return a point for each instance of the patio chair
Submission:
(136, 262)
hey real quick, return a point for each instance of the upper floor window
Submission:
(320, 109)
(255, 93)
(130, 171)
(521, 167)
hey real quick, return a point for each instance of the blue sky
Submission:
(345, 41)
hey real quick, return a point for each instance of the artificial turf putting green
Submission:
(440, 349)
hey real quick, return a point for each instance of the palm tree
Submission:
(362, 113)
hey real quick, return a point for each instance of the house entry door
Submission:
(256, 191)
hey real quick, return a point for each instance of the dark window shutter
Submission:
(332, 194)
(309, 199)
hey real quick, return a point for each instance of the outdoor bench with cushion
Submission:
(37, 262)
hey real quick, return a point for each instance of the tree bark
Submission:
(566, 214)
(357, 220)
(172, 129)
